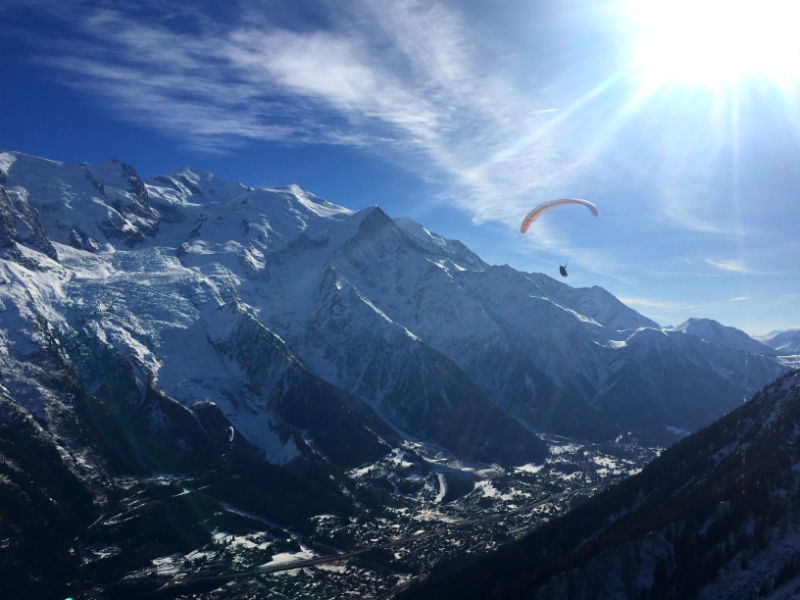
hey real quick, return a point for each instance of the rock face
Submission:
(716, 516)
(46, 501)
(21, 228)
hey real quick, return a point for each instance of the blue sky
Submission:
(682, 126)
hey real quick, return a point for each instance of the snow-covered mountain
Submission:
(715, 516)
(209, 291)
(722, 336)
(785, 342)
(264, 343)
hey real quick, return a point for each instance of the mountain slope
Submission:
(45, 503)
(784, 342)
(724, 337)
(513, 334)
(716, 516)
(186, 292)
(141, 321)
(407, 327)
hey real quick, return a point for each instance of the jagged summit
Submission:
(727, 337)
(187, 182)
(462, 256)
(89, 206)
(784, 342)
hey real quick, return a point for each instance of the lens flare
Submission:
(716, 42)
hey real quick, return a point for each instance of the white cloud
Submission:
(403, 78)
(653, 303)
(676, 305)
(406, 79)
(732, 265)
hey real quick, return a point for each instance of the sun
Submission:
(716, 42)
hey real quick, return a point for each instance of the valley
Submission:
(438, 510)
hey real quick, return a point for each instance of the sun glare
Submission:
(716, 42)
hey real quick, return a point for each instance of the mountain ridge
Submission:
(785, 342)
(345, 289)
(195, 352)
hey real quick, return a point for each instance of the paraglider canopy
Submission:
(231, 433)
(545, 206)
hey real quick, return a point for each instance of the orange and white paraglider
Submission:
(545, 206)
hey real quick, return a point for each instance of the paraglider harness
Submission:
(563, 270)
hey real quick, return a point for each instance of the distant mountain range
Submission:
(211, 291)
(783, 342)
(140, 320)
(716, 516)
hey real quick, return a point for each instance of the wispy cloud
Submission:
(732, 266)
(403, 78)
(653, 303)
(677, 305)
